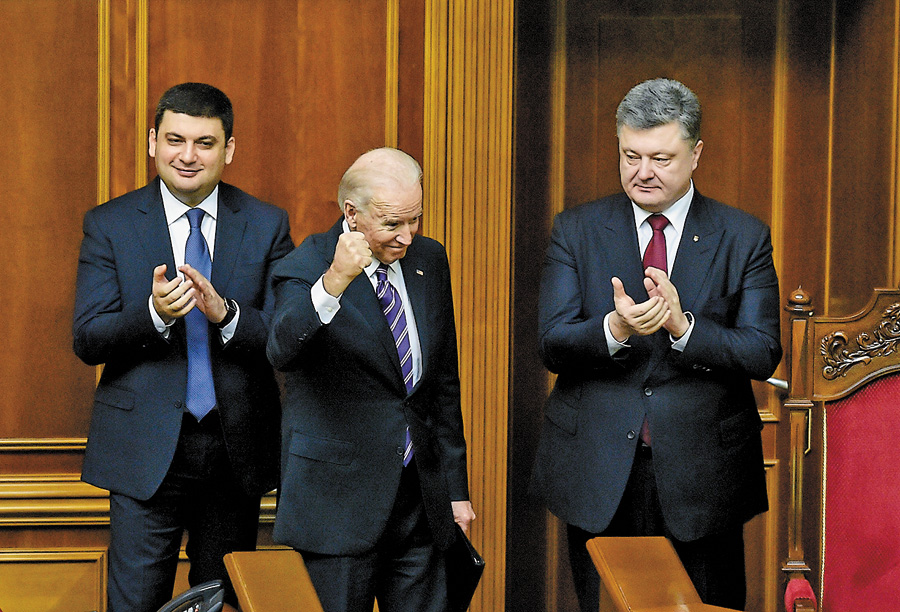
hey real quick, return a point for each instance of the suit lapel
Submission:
(417, 280)
(699, 243)
(620, 243)
(152, 230)
(230, 227)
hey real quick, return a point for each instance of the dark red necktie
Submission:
(655, 257)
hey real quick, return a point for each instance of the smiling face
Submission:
(390, 221)
(656, 164)
(190, 153)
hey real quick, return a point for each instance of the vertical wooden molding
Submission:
(893, 242)
(468, 206)
(141, 78)
(779, 120)
(557, 189)
(392, 74)
(558, 113)
(829, 185)
(103, 110)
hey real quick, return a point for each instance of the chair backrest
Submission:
(844, 406)
(643, 574)
(206, 597)
(271, 581)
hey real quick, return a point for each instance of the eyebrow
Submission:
(203, 137)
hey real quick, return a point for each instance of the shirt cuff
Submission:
(681, 343)
(228, 331)
(161, 327)
(612, 344)
(326, 305)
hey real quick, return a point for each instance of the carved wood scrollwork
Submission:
(883, 341)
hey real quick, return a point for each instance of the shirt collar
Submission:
(175, 208)
(676, 213)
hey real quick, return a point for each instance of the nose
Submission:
(405, 235)
(645, 169)
(188, 152)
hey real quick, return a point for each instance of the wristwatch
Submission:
(230, 310)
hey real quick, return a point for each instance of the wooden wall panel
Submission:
(53, 580)
(307, 80)
(48, 173)
(864, 153)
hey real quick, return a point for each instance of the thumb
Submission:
(159, 273)
(618, 288)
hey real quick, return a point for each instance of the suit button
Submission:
(631, 435)
(648, 391)
(400, 450)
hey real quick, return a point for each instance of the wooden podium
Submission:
(271, 581)
(644, 575)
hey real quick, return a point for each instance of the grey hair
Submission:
(658, 102)
(374, 171)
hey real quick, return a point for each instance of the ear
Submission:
(151, 139)
(229, 150)
(698, 148)
(350, 214)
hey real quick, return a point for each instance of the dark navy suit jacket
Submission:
(346, 406)
(707, 450)
(139, 401)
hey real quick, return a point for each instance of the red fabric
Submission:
(797, 588)
(862, 510)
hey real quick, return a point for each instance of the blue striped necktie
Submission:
(392, 306)
(201, 395)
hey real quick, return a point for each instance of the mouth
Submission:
(186, 172)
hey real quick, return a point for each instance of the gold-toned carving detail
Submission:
(883, 341)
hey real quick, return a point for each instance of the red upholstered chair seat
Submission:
(861, 569)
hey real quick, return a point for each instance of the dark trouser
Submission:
(404, 572)
(199, 494)
(715, 563)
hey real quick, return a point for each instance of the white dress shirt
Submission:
(179, 229)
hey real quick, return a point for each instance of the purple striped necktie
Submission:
(392, 306)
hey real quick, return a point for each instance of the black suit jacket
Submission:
(707, 449)
(139, 401)
(346, 406)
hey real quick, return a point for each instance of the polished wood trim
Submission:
(894, 217)
(558, 113)
(51, 501)
(103, 107)
(468, 206)
(392, 74)
(15, 445)
(63, 500)
(829, 180)
(141, 81)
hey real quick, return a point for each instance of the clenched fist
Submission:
(351, 256)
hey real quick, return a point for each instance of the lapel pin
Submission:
(696, 237)
(419, 272)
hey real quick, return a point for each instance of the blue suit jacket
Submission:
(707, 449)
(138, 404)
(346, 407)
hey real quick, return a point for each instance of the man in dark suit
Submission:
(184, 431)
(652, 426)
(373, 453)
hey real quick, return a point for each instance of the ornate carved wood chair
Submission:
(844, 510)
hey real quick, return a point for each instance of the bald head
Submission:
(375, 174)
